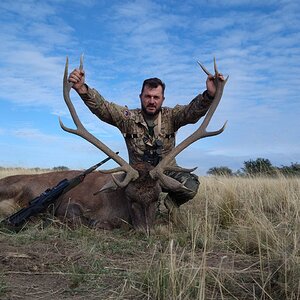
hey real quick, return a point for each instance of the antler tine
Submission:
(204, 69)
(81, 62)
(131, 174)
(66, 93)
(200, 133)
(215, 67)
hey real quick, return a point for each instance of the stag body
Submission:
(135, 190)
(134, 204)
(78, 206)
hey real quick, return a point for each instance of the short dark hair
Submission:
(153, 83)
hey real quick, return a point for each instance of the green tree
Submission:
(220, 171)
(60, 168)
(292, 170)
(259, 167)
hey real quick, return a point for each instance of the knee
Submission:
(192, 183)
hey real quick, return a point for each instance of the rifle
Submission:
(49, 196)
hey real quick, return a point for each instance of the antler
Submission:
(164, 164)
(131, 173)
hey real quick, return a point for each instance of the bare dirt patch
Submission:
(61, 264)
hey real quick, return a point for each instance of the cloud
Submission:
(34, 134)
(31, 9)
(124, 42)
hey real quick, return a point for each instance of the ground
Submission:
(62, 263)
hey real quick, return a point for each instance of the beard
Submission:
(150, 113)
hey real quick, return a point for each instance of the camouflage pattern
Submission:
(138, 139)
(134, 128)
(191, 182)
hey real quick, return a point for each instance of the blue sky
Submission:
(256, 43)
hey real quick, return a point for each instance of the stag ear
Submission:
(111, 184)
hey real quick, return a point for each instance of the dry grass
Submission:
(4, 172)
(241, 241)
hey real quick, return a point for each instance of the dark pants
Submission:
(190, 181)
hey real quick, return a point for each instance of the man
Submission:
(149, 131)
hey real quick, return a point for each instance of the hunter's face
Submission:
(152, 99)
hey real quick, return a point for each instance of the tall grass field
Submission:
(239, 240)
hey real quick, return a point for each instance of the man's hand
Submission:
(77, 77)
(210, 84)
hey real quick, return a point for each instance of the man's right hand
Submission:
(77, 77)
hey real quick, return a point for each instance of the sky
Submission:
(256, 43)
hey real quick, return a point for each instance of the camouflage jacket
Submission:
(131, 123)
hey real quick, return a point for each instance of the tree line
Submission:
(257, 167)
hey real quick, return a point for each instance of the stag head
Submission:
(142, 182)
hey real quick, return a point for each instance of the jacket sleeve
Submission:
(108, 112)
(192, 112)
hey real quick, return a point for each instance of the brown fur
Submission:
(135, 204)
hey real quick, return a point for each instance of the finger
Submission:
(74, 78)
(221, 77)
(78, 72)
